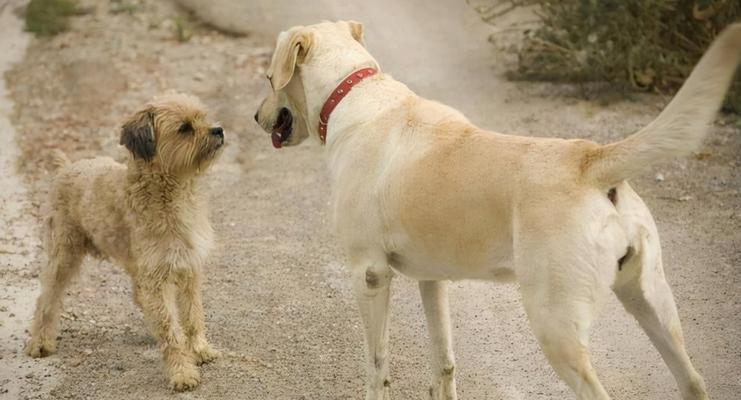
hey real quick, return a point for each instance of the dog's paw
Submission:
(378, 392)
(185, 378)
(443, 387)
(438, 392)
(204, 353)
(37, 347)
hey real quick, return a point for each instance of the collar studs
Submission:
(338, 94)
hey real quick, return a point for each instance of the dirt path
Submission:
(19, 243)
(277, 300)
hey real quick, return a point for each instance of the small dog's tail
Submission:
(58, 159)
(680, 128)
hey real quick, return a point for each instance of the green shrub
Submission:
(645, 44)
(183, 31)
(49, 17)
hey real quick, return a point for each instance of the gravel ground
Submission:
(277, 301)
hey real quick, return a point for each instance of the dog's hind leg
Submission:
(561, 325)
(644, 292)
(435, 301)
(65, 249)
(562, 285)
(372, 288)
(157, 292)
(190, 308)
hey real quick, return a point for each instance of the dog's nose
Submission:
(218, 131)
(256, 113)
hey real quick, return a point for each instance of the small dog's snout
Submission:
(218, 131)
(256, 114)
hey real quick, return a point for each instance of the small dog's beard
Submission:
(207, 152)
(210, 149)
(190, 157)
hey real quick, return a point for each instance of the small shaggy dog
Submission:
(149, 217)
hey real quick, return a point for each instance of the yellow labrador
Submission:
(419, 190)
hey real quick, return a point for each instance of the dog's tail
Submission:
(680, 128)
(58, 159)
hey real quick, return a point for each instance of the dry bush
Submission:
(644, 44)
(49, 17)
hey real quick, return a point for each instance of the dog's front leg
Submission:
(435, 301)
(157, 295)
(190, 308)
(371, 284)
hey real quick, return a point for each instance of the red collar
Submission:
(338, 94)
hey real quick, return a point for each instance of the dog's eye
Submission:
(186, 127)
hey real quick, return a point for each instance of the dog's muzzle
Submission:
(218, 133)
(212, 145)
(282, 128)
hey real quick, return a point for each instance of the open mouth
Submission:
(282, 128)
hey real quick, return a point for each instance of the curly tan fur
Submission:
(147, 216)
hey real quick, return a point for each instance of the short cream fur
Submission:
(419, 190)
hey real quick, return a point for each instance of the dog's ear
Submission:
(137, 134)
(290, 50)
(356, 30)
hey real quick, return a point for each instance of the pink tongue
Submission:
(276, 139)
